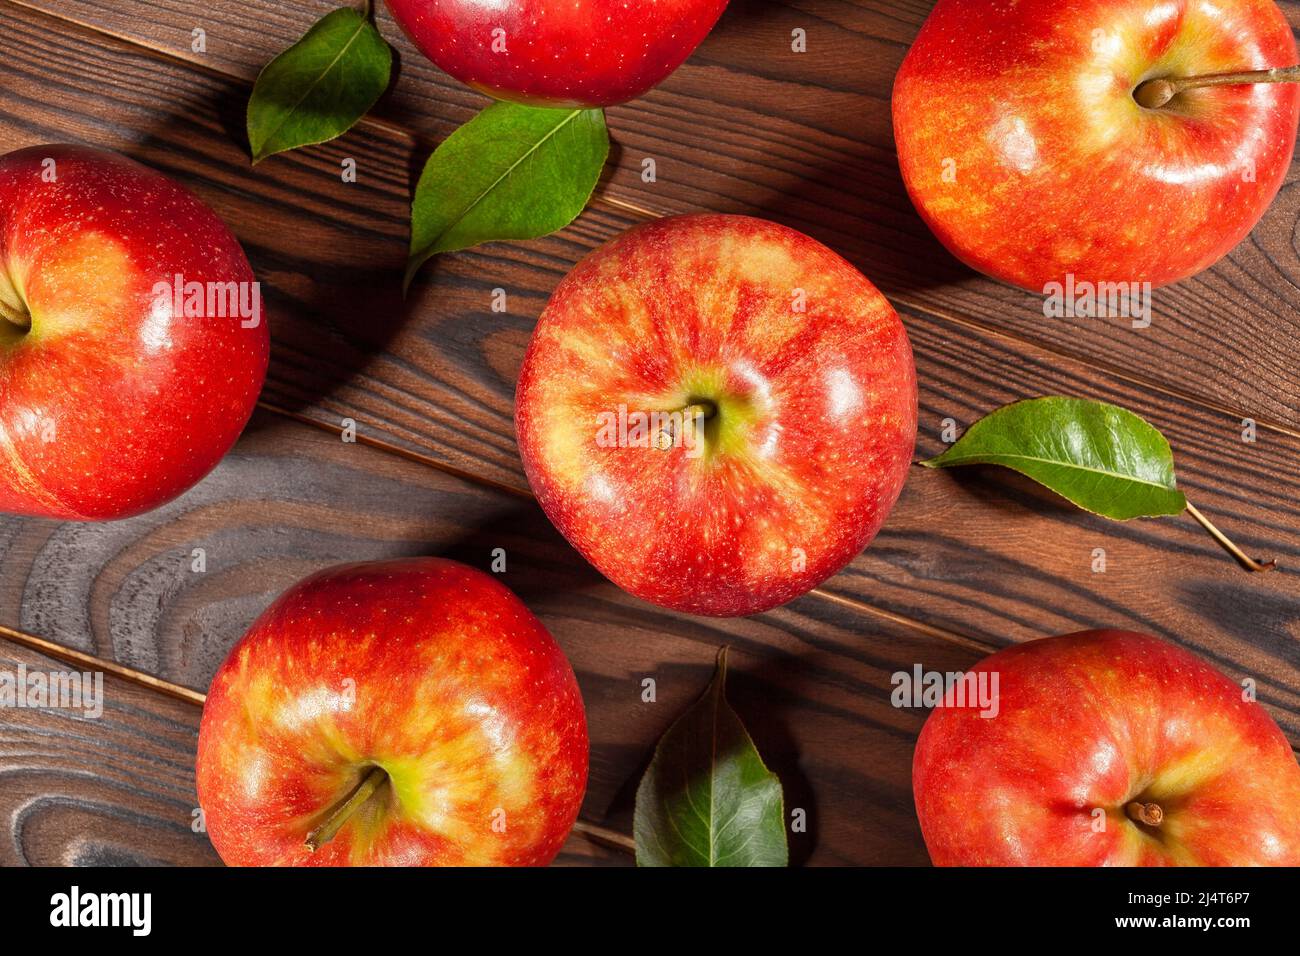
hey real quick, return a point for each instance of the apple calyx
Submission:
(1150, 813)
(1157, 92)
(342, 811)
(1245, 560)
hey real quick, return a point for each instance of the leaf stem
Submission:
(1155, 93)
(1247, 562)
(343, 810)
(605, 836)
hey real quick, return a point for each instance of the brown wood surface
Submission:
(812, 678)
(745, 126)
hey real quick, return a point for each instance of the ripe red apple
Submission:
(717, 411)
(130, 357)
(1024, 149)
(1108, 748)
(396, 713)
(579, 53)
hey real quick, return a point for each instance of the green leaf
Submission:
(1102, 457)
(707, 799)
(319, 87)
(511, 172)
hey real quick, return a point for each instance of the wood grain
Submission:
(139, 605)
(812, 680)
(112, 790)
(749, 126)
(745, 127)
(980, 554)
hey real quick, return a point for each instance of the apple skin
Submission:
(427, 668)
(1053, 166)
(814, 430)
(1094, 720)
(108, 406)
(579, 53)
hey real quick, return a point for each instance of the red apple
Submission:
(579, 53)
(782, 403)
(120, 387)
(1024, 149)
(396, 713)
(1107, 748)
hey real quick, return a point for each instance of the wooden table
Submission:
(967, 562)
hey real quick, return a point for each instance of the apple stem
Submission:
(344, 809)
(1155, 93)
(20, 320)
(702, 411)
(1245, 560)
(12, 309)
(1149, 813)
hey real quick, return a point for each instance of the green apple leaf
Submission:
(707, 799)
(319, 87)
(1102, 457)
(511, 172)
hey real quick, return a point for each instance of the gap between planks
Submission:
(919, 308)
(649, 214)
(429, 461)
(598, 834)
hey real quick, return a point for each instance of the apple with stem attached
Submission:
(1105, 748)
(396, 713)
(717, 411)
(1116, 141)
(132, 344)
(579, 53)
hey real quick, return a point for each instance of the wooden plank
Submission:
(330, 254)
(812, 680)
(112, 790)
(117, 789)
(818, 747)
(199, 623)
(994, 556)
(984, 556)
(748, 126)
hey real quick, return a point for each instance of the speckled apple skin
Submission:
(818, 406)
(1092, 721)
(578, 53)
(109, 408)
(1023, 149)
(425, 667)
